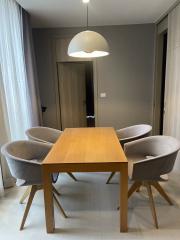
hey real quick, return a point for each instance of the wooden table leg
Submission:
(124, 197)
(48, 201)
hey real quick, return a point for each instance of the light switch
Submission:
(103, 95)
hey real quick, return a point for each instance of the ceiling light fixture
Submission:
(85, 1)
(88, 44)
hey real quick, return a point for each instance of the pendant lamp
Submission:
(88, 44)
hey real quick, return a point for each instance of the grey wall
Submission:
(126, 75)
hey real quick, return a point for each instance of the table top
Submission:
(86, 145)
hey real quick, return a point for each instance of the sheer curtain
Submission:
(6, 179)
(1, 184)
(1, 138)
(31, 71)
(172, 91)
(14, 84)
(17, 99)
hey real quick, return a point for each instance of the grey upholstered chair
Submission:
(24, 160)
(45, 135)
(149, 159)
(129, 134)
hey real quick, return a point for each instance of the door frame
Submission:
(161, 29)
(55, 60)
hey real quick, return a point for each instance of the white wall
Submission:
(126, 75)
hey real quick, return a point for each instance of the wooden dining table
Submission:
(85, 150)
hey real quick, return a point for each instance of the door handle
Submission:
(90, 116)
(43, 108)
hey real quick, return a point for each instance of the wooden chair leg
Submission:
(25, 194)
(138, 190)
(31, 196)
(110, 177)
(152, 205)
(135, 186)
(72, 176)
(56, 191)
(59, 206)
(158, 187)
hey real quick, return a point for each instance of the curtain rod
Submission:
(167, 12)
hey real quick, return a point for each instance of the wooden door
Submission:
(72, 91)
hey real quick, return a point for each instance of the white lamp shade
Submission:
(88, 44)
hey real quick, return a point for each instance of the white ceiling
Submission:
(71, 13)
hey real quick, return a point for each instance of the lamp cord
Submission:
(87, 26)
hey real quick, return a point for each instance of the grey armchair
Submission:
(148, 160)
(24, 160)
(45, 135)
(130, 134)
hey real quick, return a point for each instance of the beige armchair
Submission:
(45, 135)
(130, 134)
(24, 160)
(148, 160)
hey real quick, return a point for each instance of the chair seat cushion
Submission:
(164, 177)
(20, 182)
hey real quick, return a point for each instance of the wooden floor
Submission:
(91, 206)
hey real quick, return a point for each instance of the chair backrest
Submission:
(154, 156)
(132, 133)
(24, 160)
(43, 134)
